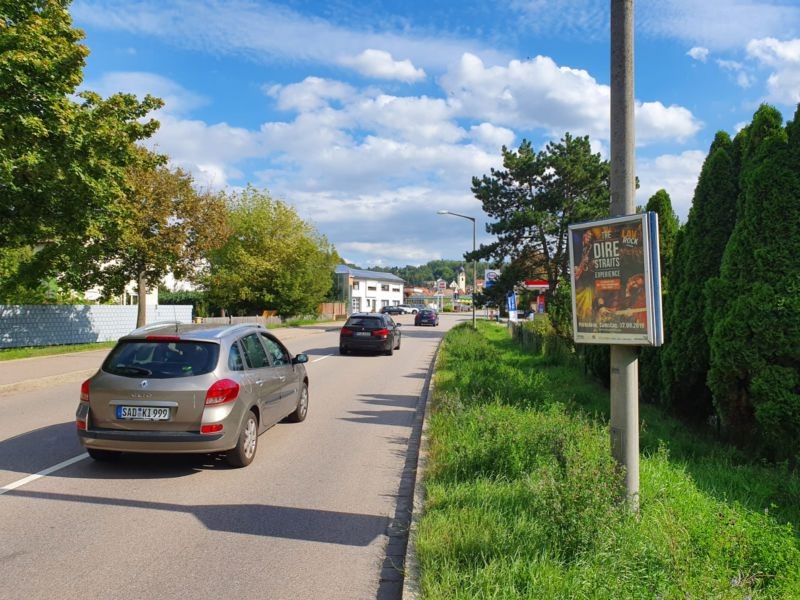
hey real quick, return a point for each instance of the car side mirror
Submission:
(300, 359)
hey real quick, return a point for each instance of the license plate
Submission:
(363, 333)
(143, 413)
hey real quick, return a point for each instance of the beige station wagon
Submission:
(178, 388)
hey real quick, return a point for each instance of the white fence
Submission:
(57, 324)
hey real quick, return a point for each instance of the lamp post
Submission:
(474, 262)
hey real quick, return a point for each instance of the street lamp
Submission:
(474, 262)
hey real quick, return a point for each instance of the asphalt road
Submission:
(315, 515)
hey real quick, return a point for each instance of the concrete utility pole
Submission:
(624, 362)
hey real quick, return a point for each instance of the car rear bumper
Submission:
(365, 344)
(157, 441)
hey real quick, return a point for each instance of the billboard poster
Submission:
(616, 281)
(490, 277)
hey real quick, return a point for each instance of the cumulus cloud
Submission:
(783, 59)
(698, 53)
(380, 64)
(537, 93)
(209, 152)
(177, 99)
(492, 136)
(310, 94)
(743, 78)
(676, 173)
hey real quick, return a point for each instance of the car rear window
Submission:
(161, 359)
(369, 322)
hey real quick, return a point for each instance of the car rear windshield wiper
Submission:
(132, 369)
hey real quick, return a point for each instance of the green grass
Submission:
(15, 353)
(523, 497)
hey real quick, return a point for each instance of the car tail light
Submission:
(163, 338)
(80, 424)
(381, 333)
(346, 331)
(224, 390)
(216, 427)
(85, 391)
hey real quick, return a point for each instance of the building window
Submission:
(395, 289)
(384, 303)
(355, 285)
(372, 288)
(356, 304)
(385, 287)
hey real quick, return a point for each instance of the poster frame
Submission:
(654, 335)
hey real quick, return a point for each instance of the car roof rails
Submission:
(234, 327)
(156, 325)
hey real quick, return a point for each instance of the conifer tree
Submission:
(668, 226)
(684, 359)
(755, 314)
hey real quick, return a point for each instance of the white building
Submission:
(369, 291)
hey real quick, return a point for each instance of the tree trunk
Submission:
(141, 289)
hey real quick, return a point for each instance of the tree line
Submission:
(729, 273)
(84, 204)
(425, 275)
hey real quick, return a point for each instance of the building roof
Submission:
(364, 274)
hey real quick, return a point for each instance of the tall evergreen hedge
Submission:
(685, 357)
(668, 227)
(753, 307)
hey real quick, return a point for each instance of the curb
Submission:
(411, 584)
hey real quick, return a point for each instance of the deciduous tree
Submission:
(62, 156)
(163, 226)
(273, 259)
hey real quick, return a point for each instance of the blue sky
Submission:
(368, 117)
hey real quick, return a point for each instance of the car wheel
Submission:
(103, 455)
(301, 410)
(245, 450)
(413, 312)
(399, 337)
(390, 350)
(343, 351)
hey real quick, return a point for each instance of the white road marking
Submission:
(321, 358)
(40, 474)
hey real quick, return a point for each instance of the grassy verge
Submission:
(523, 495)
(14, 353)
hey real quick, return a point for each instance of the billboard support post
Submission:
(624, 362)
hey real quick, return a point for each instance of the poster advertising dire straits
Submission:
(616, 281)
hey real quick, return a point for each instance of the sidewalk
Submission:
(43, 371)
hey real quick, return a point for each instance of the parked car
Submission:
(392, 310)
(191, 388)
(427, 316)
(407, 309)
(372, 332)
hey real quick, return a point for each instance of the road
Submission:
(315, 516)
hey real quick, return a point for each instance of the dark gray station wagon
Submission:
(191, 388)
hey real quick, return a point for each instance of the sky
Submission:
(369, 116)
